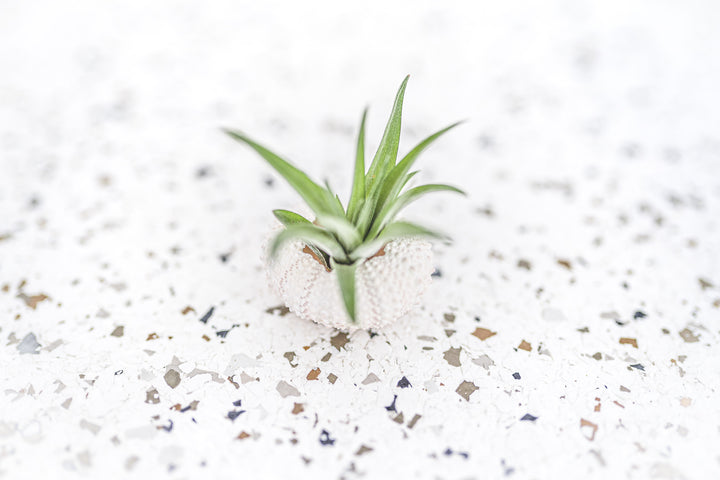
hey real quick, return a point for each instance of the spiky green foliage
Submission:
(343, 238)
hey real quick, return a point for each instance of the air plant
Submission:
(342, 237)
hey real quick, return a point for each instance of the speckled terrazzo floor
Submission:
(571, 330)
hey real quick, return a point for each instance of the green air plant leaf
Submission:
(318, 199)
(395, 179)
(343, 238)
(346, 279)
(309, 234)
(391, 232)
(288, 218)
(388, 213)
(387, 150)
(357, 196)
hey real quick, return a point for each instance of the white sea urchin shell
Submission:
(387, 286)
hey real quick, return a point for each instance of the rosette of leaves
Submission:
(343, 236)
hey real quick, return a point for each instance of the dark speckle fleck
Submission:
(516, 376)
(237, 403)
(207, 316)
(437, 273)
(528, 418)
(638, 366)
(233, 414)
(325, 439)
(404, 383)
(168, 428)
(222, 333)
(391, 407)
(639, 314)
(224, 257)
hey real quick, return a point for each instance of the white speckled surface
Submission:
(588, 244)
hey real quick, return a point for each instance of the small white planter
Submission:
(387, 286)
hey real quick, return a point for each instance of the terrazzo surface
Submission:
(571, 329)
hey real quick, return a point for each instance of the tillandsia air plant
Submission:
(345, 240)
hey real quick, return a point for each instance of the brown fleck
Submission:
(597, 407)
(379, 253)
(231, 379)
(688, 335)
(177, 407)
(339, 340)
(32, 300)
(705, 283)
(243, 435)
(399, 418)
(522, 263)
(206, 338)
(313, 375)
(332, 378)
(152, 336)
(187, 310)
(624, 389)
(564, 263)
(618, 404)
(6, 288)
(449, 317)
(629, 341)
(449, 333)
(685, 401)
(593, 427)
(326, 357)
(452, 356)
(483, 333)
(363, 449)
(465, 389)
(315, 257)
(118, 332)
(414, 420)
(298, 408)
(597, 356)
(281, 309)
(716, 303)
(525, 346)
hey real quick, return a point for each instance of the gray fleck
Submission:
(172, 378)
(214, 376)
(118, 332)
(371, 378)
(89, 426)
(452, 356)
(287, 390)
(685, 333)
(484, 361)
(29, 344)
(245, 378)
(152, 396)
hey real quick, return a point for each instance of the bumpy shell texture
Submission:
(387, 286)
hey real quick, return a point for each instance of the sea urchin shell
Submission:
(387, 286)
